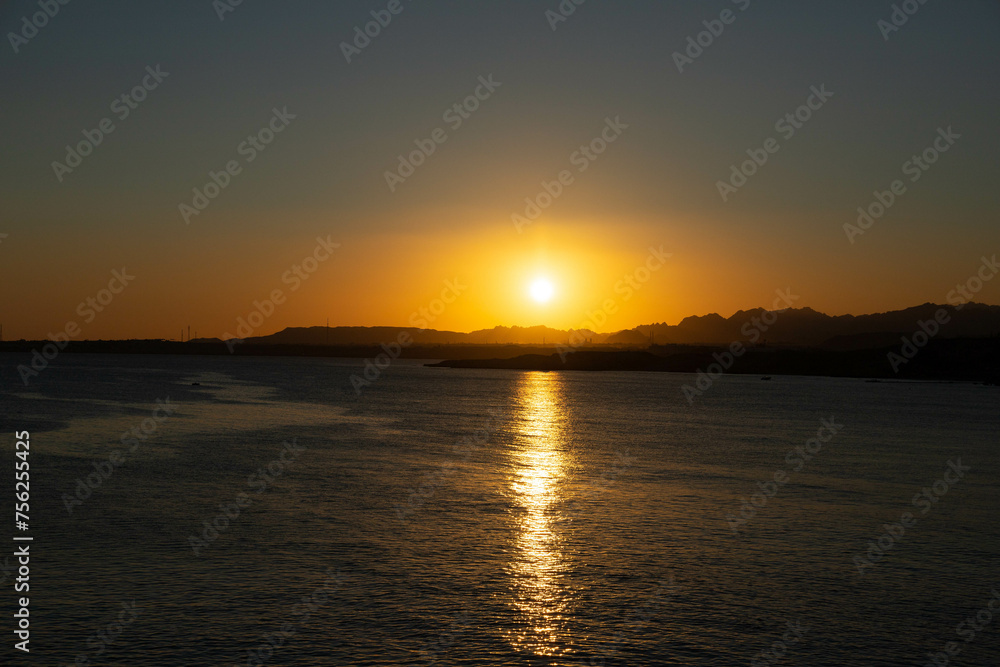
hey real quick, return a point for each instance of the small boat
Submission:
(766, 378)
(195, 384)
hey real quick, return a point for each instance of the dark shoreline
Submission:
(948, 361)
(962, 359)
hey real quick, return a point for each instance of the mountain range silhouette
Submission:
(795, 327)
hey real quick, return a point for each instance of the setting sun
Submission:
(521, 306)
(542, 290)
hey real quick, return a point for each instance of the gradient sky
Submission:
(324, 174)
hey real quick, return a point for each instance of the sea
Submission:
(216, 510)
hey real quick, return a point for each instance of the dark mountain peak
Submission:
(795, 326)
(702, 319)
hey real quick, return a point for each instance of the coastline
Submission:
(949, 360)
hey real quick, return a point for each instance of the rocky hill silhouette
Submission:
(795, 326)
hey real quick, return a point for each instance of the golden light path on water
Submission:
(538, 565)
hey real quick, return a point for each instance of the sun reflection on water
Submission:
(538, 564)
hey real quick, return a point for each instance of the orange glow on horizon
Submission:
(384, 278)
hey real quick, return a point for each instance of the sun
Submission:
(542, 290)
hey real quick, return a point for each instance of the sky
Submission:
(629, 126)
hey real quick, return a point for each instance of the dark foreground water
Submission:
(272, 516)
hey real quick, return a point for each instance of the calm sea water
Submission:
(464, 517)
